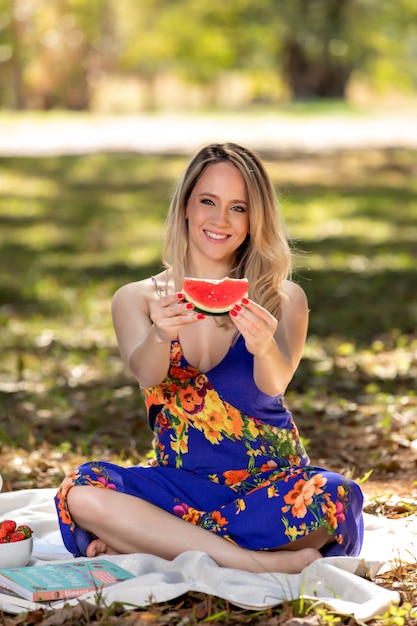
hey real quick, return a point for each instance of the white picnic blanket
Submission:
(336, 582)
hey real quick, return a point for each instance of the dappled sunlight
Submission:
(86, 225)
(25, 185)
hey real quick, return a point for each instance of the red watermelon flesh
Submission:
(215, 297)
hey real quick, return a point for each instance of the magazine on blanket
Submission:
(54, 581)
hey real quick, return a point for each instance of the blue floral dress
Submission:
(227, 457)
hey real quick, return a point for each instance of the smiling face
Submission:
(218, 219)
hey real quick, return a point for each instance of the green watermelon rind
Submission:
(216, 311)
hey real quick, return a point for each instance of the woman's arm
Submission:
(145, 325)
(277, 347)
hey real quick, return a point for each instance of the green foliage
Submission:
(397, 615)
(53, 53)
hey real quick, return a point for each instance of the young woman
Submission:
(231, 476)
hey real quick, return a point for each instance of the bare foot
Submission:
(97, 547)
(279, 561)
(285, 561)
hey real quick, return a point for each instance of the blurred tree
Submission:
(195, 39)
(12, 54)
(69, 43)
(316, 55)
(142, 44)
(53, 51)
(17, 46)
(320, 43)
(50, 50)
(315, 44)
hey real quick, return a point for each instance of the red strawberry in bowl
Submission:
(16, 544)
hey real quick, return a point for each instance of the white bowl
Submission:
(16, 554)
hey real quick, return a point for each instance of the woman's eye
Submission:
(207, 201)
(239, 209)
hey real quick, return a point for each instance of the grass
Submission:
(73, 229)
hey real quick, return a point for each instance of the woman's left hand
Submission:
(256, 325)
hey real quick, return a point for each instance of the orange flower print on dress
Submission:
(333, 512)
(190, 400)
(68, 482)
(63, 512)
(170, 389)
(213, 427)
(61, 497)
(192, 516)
(317, 482)
(210, 419)
(153, 396)
(183, 373)
(219, 520)
(302, 495)
(176, 353)
(233, 423)
(235, 477)
(268, 466)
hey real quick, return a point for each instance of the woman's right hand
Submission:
(145, 325)
(171, 313)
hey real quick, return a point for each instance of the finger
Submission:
(174, 298)
(252, 326)
(181, 308)
(262, 314)
(171, 305)
(257, 309)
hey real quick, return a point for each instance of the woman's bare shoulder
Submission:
(133, 289)
(293, 296)
(137, 293)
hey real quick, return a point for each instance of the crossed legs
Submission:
(127, 524)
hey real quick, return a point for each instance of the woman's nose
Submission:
(221, 216)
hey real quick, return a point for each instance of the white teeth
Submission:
(215, 235)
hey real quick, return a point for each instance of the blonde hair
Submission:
(264, 258)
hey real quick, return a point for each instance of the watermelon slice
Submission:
(215, 297)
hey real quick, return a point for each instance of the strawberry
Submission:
(3, 533)
(17, 536)
(25, 529)
(9, 525)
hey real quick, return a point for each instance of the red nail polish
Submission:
(200, 316)
(190, 306)
(237, 307)
(233, 312)
(180, 296)
(245, 301)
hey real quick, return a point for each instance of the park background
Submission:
(102, 103)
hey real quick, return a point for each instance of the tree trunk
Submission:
(314, 78)
(322, 75)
